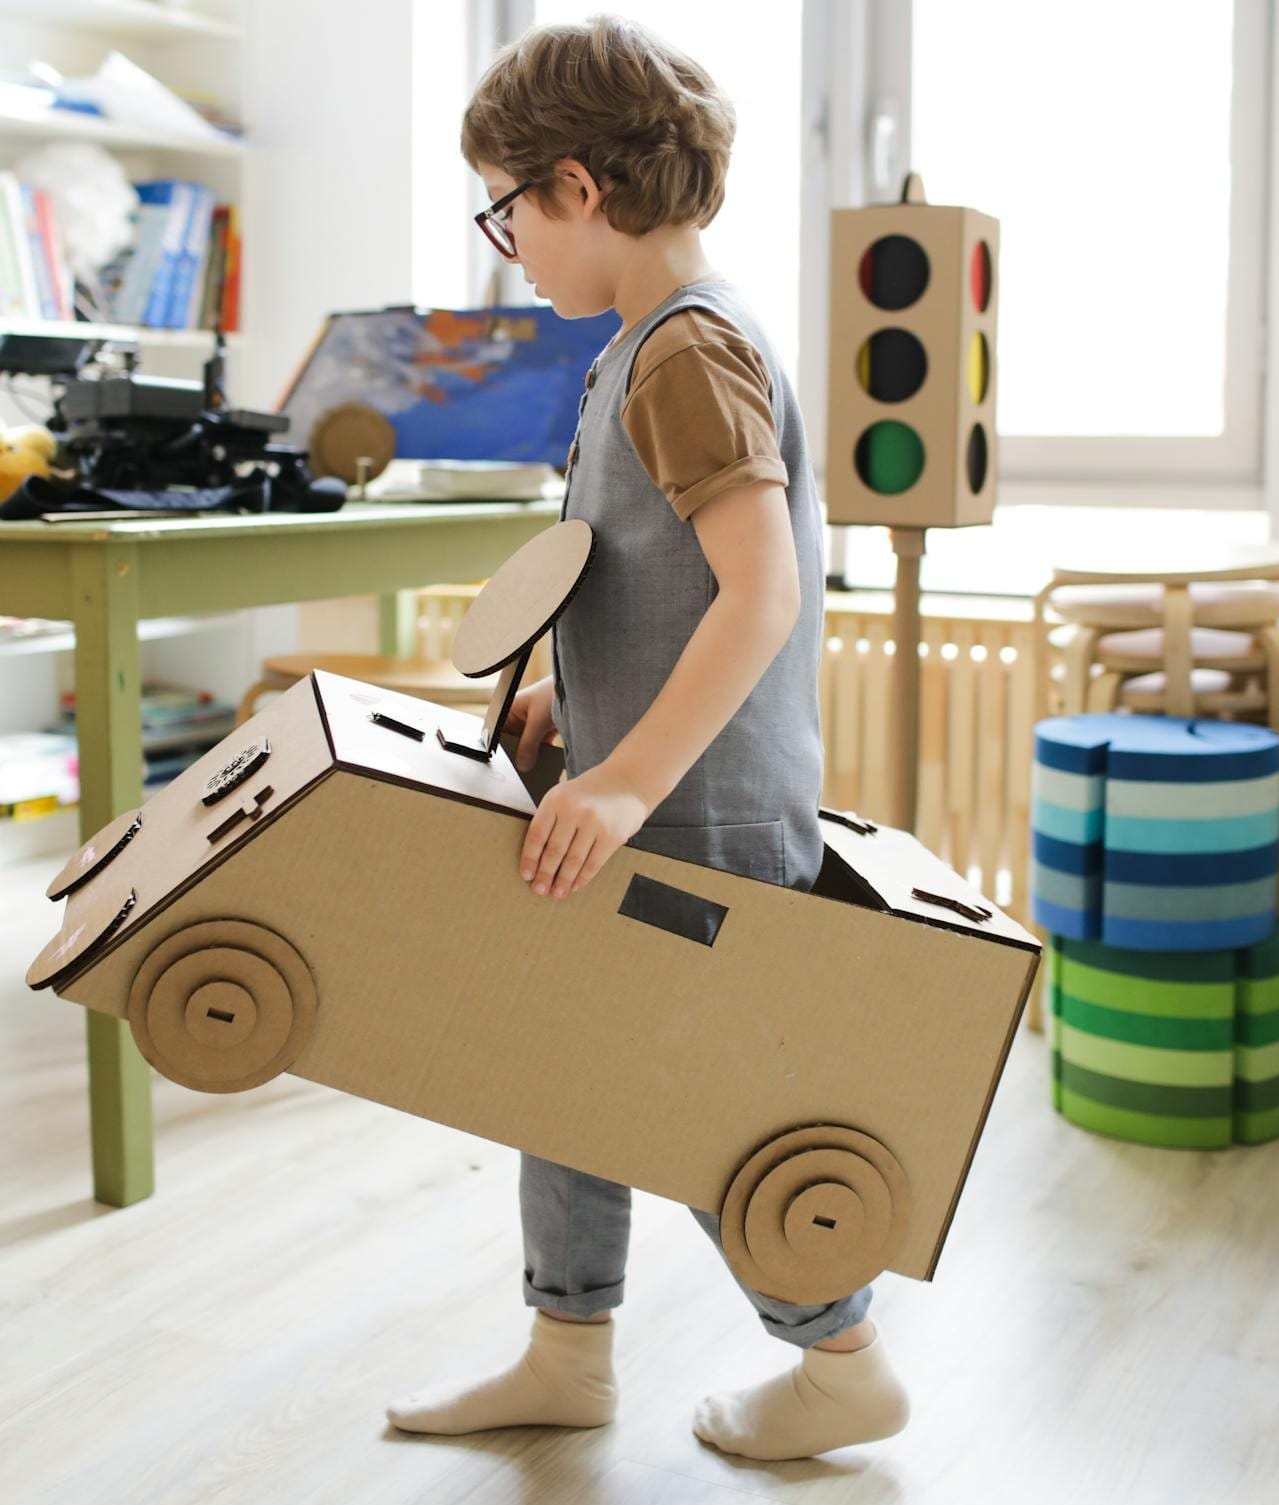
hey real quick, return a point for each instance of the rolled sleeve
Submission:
(701, 421)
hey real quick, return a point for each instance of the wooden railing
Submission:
(975, 733)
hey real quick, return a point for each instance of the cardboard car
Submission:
(334, 891)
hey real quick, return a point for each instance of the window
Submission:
(1113, 192)
(442, 257)
(1122, 144)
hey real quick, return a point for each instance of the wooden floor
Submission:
(1104, 1326)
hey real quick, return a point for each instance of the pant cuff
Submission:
(576, 1304)
(836, 1319)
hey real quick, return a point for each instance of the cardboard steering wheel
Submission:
(519, 603)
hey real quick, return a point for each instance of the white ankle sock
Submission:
(564, 1379)
(828, 1400)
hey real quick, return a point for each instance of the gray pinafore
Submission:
(748, 805)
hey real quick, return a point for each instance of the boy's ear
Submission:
(584, 192)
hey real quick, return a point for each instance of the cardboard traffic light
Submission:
(911, 392)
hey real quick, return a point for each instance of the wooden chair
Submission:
(1182, 641)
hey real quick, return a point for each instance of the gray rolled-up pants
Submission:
(577, 1229)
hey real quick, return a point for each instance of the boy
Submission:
(685, 672)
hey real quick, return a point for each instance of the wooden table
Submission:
(105, 577)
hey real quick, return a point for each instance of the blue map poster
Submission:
(474, 384)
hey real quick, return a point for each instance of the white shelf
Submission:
(127, 18)
(46, 124)
(86, 330)
(55, 833)
(148, 629)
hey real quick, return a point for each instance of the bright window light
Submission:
(1098, 134)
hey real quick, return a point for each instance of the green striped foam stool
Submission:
(1143, 1042)
(1257, 1044)
(1175, 1049)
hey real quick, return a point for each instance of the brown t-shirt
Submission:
(698, 410)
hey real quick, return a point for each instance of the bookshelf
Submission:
(65, 125)
(192, 49)
(195, 49)
(132, 18)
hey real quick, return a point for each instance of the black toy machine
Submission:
(129, 441)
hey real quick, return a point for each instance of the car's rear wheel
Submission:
(815, 1214)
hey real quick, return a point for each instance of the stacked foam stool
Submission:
(1156, 853)
(1257, 1044)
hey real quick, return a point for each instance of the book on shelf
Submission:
(230, 292)
(180, 272)
(175, 275)
(171, 713)
(191, 258)
(178, 727)
(34, 278)
(177, 197)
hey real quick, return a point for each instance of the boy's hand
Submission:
(580, 823)
(530, 716)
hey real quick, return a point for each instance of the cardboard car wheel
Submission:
(222, 1006)
(815, 1214)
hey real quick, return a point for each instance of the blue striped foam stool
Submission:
(1155, 833)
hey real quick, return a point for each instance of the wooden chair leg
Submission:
(1103, 690)
(1268, 640)
(1179, 695)
(1077, 657)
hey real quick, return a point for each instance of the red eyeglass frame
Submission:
(486, 217)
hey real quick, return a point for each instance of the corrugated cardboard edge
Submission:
(997, 1076)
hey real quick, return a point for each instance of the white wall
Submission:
(329, 203)
(328, 100)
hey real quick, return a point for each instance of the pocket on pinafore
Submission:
(754, 850)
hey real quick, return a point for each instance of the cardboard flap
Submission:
(889, 870)
(393, 736)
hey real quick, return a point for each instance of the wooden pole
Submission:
(908, 546)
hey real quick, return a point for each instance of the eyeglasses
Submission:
(493, 221)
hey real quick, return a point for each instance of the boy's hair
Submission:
(646, 121)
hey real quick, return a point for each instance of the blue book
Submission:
(194, 240)
(177, 195)
(135, 283)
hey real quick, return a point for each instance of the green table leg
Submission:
(109, 734)
(397, 623)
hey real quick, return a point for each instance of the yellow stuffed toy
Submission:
(28, 450)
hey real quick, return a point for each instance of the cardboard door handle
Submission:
(671, 909)
(973, 912)
(249, 809)
(393, 723)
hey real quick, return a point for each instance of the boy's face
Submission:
(567, 260)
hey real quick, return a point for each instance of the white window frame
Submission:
(857, 82)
